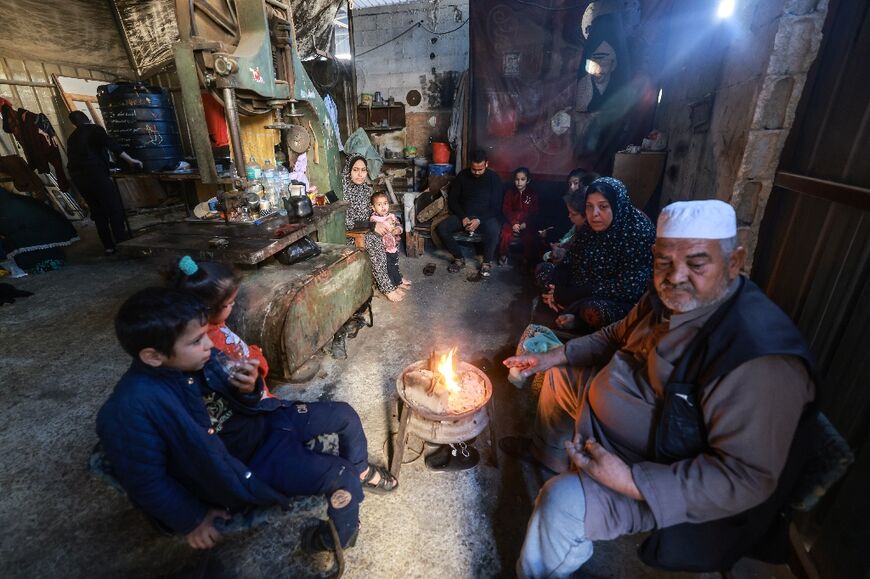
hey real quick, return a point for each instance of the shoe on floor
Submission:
(486, 269)
(456, 265)
(503, 260)
(518, 447)
(452, 457)
(313, 539)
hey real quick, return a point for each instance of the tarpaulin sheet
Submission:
(150, 30)
(535, 103)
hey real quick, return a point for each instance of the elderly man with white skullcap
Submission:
(678, 419)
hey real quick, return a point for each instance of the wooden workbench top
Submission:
(247, 244)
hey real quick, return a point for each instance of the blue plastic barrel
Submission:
(141, 119)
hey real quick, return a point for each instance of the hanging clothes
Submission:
(34, 133)
(332, 113)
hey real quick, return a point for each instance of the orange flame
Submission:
(448, 373)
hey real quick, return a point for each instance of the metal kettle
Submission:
(298, 205)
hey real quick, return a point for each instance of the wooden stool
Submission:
(358, 236)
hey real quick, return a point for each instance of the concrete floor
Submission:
(60, 360)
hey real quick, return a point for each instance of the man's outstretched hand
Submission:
(605, 467)
(530, 364)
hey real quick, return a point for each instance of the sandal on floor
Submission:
(456, 265)
(429, 269)
(386, 484)
(312, 539)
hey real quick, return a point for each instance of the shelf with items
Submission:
(372, 118)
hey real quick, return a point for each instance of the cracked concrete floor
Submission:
(60, 360)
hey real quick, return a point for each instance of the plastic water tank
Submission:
(141, 119)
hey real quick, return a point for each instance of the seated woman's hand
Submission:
(245, 375)
(382, 229)
(549, 298)
(516, 227)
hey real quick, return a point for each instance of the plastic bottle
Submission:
(253, 170)
(284, 188)
(268, 171)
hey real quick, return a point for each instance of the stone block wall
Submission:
(729, 109)
(797, 36)
(421, 60)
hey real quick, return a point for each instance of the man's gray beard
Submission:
(694, 303)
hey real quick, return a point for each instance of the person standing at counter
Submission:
(88, 150)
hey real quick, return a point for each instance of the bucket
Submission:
(440, 153)
(436, 169)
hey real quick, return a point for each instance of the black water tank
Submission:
(141, 119)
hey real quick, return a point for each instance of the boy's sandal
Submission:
(456, 265)
(386, 484)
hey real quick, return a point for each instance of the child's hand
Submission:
(245, 376)
(397, 231)
(516, 227)
(205, 536)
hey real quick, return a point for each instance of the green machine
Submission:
(244, 54)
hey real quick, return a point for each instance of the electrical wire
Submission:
(417, 24)
(446, 31)
(550, 9)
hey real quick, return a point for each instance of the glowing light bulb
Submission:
(726, 8)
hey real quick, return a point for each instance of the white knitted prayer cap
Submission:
(708, 219)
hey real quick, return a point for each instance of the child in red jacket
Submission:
(520, 208)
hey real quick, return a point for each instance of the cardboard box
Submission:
(641, 174)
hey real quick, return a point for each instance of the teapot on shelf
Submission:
(298, 205)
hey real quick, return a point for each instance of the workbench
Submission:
(246, 244)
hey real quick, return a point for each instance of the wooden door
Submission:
(813, 259)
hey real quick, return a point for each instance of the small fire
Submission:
(448, 373)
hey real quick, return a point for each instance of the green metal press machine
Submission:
(244, 54)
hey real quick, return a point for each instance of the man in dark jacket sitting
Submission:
(185, 464)
(475, 202)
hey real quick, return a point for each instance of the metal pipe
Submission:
(235, 131)
(26, 83)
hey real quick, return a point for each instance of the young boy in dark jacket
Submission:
(189, 443)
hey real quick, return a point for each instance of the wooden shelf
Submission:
(381, 129)
(371, 118)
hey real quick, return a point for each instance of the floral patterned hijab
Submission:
(620, 257)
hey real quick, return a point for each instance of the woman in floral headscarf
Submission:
(358, 194)
(610, 260)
